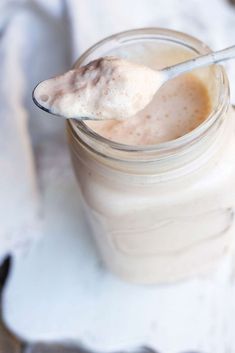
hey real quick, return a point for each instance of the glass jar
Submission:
(162, 212)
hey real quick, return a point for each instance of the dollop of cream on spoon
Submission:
(106, 88)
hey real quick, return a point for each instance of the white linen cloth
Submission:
(40, 38)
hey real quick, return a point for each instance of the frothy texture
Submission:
(178, 107)
(106, 88)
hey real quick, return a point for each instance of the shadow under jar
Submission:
(163, 212)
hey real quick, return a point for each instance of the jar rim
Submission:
(168, 146)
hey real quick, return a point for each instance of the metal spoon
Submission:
(160, 78)
(200, 61)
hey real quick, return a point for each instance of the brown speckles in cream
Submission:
(106, 88)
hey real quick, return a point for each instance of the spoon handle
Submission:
(205, 60)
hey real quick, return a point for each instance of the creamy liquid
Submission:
(152, 225)
(177, 108)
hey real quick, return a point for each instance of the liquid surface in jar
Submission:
(178, 107)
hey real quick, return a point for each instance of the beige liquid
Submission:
(165, 220)
(178, 107)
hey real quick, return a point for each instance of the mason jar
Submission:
(161, 212)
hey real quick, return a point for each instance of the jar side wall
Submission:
(137, 232)
(156, 229)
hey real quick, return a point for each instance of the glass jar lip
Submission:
(178, 38)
